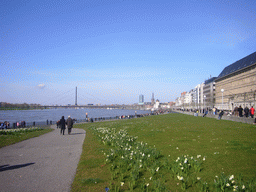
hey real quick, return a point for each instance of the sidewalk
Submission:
(248, 120)
(45, 163)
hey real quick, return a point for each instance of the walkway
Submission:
(248, 120)
(45, 163)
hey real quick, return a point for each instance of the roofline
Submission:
(220, 78)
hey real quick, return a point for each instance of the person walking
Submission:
(252, 110)
(240, 111)
(236, 111)
(69, 123)
(246, 111)
(214, 110)
(62, 125)
(221, 114)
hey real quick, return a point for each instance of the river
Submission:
(55, 114)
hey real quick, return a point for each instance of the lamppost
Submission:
(204, 100)
(222, 90)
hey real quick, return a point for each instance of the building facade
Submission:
(236, 84)
(209, 92)
(141, 99)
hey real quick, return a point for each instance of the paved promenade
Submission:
(248, 120)
(45, 163)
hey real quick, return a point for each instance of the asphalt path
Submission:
(44, 163)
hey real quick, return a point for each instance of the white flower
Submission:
(150, 178)
(147, 184)
(122, 183)
(148, 155)
(157, 169)
(231, 177)
(177, 147)
(198, 156)
(233, 181)
(204, 159)
(243, 187)
(182, 168)
(198, 178)
(227, 184)
(180, 178)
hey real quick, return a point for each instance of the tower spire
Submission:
(76, 97)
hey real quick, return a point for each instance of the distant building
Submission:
(152, 100)
(156, 105)
(209, 92)
(236, 84)
(141, 99)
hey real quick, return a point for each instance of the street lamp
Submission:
(222, 90)
(204, 100)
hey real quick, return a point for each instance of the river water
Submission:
(55, 114)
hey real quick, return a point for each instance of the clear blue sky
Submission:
(115, 50)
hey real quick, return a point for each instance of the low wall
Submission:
(248, 120)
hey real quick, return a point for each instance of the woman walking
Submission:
(62, 125)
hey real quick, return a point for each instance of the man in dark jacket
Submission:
(69, 123)
(246, 111)
(62, 125)
(240, 111)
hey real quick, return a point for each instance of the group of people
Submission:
(239, 111)
(4, 125)
(62, 124)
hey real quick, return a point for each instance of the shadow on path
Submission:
(76, 133)
(8, 167)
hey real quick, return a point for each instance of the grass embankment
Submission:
(17, 135)
(211, 147)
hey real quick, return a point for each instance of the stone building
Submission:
(236, 84)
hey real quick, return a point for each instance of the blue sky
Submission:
(115, 50)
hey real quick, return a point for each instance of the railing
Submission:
(50, 122)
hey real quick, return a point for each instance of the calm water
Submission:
(55, 114)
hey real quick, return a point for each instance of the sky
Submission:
(115, 50)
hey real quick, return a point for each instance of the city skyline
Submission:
(113, 51)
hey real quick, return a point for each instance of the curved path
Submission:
(45, 163)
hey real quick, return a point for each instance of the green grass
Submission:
(9, 139)
(228, 147)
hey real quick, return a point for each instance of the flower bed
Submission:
(19, 131)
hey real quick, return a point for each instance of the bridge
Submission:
(93, 106)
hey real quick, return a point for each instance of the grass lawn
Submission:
(9, 139)
(216, 146)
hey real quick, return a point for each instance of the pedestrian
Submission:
(62, 125)
(220, 115)
(246, 111)
(240, 111)
(252, 110)
(236, 111)
(206, 112)
(69, 123)
(213, 110)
